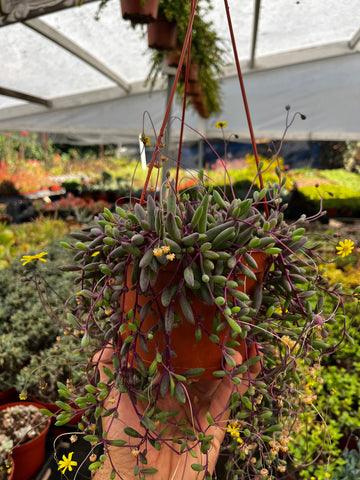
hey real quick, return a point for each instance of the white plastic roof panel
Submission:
(33, 64)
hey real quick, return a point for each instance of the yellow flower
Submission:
(157, 252)
(327, 475)
(93, 457)
(33, 258)
(234, 429)
(220, 125)
(67, 463)
(145, 140)
(170, 256)
(23, 396)
(286, 340)
(345, 247)
(95, 253)
(135, 452)
(165, 248)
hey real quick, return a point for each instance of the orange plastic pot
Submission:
(138, 11)
(162, 34)
(28, 457)
(190, 353)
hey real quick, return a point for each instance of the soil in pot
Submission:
(28, 427)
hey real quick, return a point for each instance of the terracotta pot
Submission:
(194, 89)
(202, 110)
(189, 352)
(173, 58)
(29, 456)
(162, 34)
(9, 395)
(194, 72)
(136, 12)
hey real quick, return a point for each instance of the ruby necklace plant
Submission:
(144, 271)
(197, 308)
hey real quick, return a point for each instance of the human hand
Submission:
(173, 461)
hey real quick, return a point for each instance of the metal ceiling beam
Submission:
(254, 34)
(13, 11)
(355, 40)
(24, 96)
(55, 36)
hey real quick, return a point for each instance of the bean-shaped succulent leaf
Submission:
(203, 218)
(172, 228)
(221, 239)
(189, 276)
(187, 309)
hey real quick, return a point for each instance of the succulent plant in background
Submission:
(61, 362)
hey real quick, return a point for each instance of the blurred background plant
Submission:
(26, 329)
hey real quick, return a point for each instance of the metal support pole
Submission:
(255, 30)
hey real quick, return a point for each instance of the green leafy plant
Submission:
(25, 327)
(61, 362)
(350, 468)
(206, 50)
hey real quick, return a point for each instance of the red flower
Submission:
(8, 134)
(24, 132)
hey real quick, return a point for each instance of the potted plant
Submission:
(6, 462)
(162, 34)
(39, 379)
(139, 11)
(184, 268)
(201, 266)
(26, 427)
(207, 53)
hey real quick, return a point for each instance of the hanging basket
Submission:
(139, 11)
(162, 34)
(190, 353)
(194, 89)
(173, 58)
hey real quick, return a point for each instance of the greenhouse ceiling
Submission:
(89, 74)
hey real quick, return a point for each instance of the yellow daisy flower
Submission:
(66, 463)
(220, 125)
(345, 247)
(33, 258)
